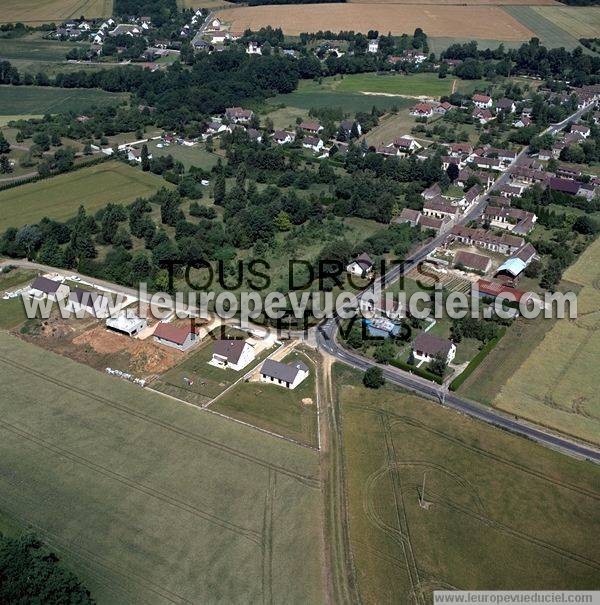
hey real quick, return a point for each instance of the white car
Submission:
(75, 278)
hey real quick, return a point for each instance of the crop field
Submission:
(274, 408)
(415, 85)
(480, 523)
(188, 156)
(461, 2)
(556, 385)
(18, 100)
(580, 22)
(210, 4)
(48, 11)
(489, 22)
(229, 515)
(60, 196)
(549, 33)
(34, 47)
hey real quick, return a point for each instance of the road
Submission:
(327, 341)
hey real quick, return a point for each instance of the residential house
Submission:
(254, 135)
(482, 101)
(442, 108)
(422, 110)
(510, 191)
(170, 335)
(489, 164)
(282, 137)
(125, 29)
(135, 155)
(408, 215)
(347, 125)
(504, 244)
(516, 264)
(216, 128)
(505, 105)
(311, 126)
(472, 261)
(235, 354)
(581, 129)
(426, 347)
(53, 290)
(432, 192)
(511, 219)
(373, 46)
(254, 48)
(406, 144)
(440, 208)
(545, 154)
(522, 122)
(238, 115)
(288, 375)
(313, 143)
(414, 56)
(437, 225)
(461, 149)
(568, 186)
(362, 266)
(490, 289)
(483, 116)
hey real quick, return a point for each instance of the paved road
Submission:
(327, 340)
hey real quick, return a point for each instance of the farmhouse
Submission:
(348, 125)
(472, 261)
(426, 347)
(312, 127)
(506, 105)
(443, 108)
(282, 137)
(482, 115)
(440, 208)
(459, 149)
(181, 338)
(43, 287)
(288, 375)
(431, 192)
(439, 225)
(362, 265)
(488, 163)
(373, 46)
(482, 101)
(570, 187)
(235, 354)
(406, 144)
(413, 56)
(135, 155)
(408, 215)
(126, 323)
(581, 129)
(313, 143)
(511, 219)
(422, 110)
(254, 48)
(91, 302)
(488, 289)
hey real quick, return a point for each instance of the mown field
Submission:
(557, 385)
(502, 511)
(580, 22)
(188, 156)
(549, 33)
(33, 47)
(151, 501)
(60, 196)
(40, 100)
(487, 22)
(48, 11)
(414, 85)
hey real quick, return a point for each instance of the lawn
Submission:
(60, 196)
(414, 85)
(557, 385)
(485, 489)
(36, 12)
(188, 156)
(275, 408)
(151, 501)
(32, 100)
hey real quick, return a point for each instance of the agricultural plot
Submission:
(580, 22)
(229, 515)
(487, 22)
(556, 385)
(188, 156)
(549, 33)
(59, 197)
(479, 524)
(35, 48)
(35, 12)
(414, 85)
(274, 408)
(461, 2)
(39, 100)
(210, 4)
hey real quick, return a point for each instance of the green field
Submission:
(35, 48)
(47, 11)
(188, 156)
(503, 512)
(549, 33)
(274, 408)
(24, 100)
(151, 501)
(579, 21)
(60, 196)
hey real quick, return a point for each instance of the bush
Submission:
(373, 378)
(422, 372)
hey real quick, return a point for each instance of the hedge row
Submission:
(38, 177)
(455, 384)
(418, 371)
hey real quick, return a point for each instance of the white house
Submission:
(43, 287)
(362, 265)
(288, 375)
(281, 137)
(426, 347)
(313, 143)
(254, 48)
(181, 338)
(373, 46)
(135, 155)
(482, 101)
(235, 354)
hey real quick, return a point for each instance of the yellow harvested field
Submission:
(47, 11)
(557, 386)
(486, 22)
(210, 4)
(579, 21)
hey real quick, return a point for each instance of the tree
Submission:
(5, 166)
(452, 171)
(219, 189)
(4, 144)
(373, 378)
(438, 364)
(385, 352)
(443, 70)
(145, 159)
(585, 225)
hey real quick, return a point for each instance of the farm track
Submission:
(250, 534)
(402, 518)
(497, 458)
(307, 480)
(93, 559)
